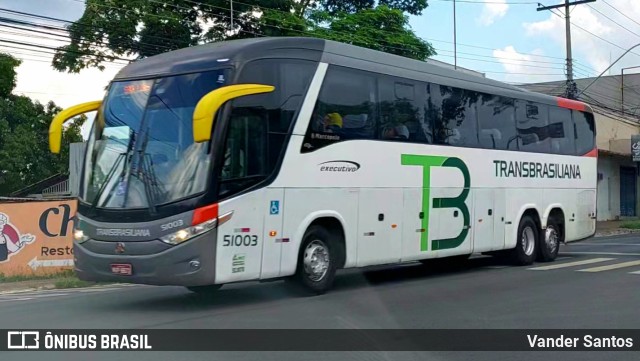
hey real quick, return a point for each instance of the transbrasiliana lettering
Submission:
(123, 232)
(518, 169)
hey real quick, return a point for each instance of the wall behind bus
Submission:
(36, 236)
(609, 196)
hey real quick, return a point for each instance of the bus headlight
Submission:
(79, 236)
(186, 234)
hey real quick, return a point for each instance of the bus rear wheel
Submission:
(527, 242)
(549, 244)
(318, 260)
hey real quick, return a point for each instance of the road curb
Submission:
(25, 286)
(615, 232)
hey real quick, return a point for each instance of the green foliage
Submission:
(112, 29)
(631, 225)
(380, 28)
(24, 145)
(8, 65)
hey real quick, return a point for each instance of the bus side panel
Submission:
(379, 226)
(305, 205)
(417, 230)
(586, 202)
(482, 221)
(518, 201)
(454, 211)
(564, 199)
(241, 238)
(272, 235)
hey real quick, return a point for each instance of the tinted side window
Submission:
(400, 114)
(561, 131)
(532, 120)
(453, 111)
(496, 122)
(345, 109)
(585, 132)
(257, 129)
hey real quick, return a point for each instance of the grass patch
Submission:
(59, 280)
(21, 278)
(631, 225)
(72, 282)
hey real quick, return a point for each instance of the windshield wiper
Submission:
(121, 156)
(111, 173)
(145, 172)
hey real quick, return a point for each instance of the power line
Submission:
(51, 27)
(393, 45)
(349, 34)
(620, 12)
(52, 48)
(493, 2)
(613, 21)
(41, 58)
(304, 32)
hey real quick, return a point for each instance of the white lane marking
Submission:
(604, 253)
(16, 299)
(31, 297)
(603, 244)
(49, 295)
(611, 266)
(635, 273)
(570, 264)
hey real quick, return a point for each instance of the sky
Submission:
(508, 40)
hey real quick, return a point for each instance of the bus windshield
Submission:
(141, 151)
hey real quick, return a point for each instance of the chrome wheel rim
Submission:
(552, 239)
(528, 240)
(316, 260)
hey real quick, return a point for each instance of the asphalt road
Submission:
(601, 292)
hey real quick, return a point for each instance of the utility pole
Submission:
(231, 12)
(455, 50)
(572, 89)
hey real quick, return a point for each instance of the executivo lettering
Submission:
(519, 169)
(127, 232)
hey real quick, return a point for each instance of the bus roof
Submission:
(236, 52)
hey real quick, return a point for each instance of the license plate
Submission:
(121, 269)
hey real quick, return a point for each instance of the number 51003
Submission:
(239, 240)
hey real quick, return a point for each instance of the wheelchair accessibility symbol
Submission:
(275, 207)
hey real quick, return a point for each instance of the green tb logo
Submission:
(426, 162)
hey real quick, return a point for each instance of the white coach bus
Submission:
(294, 157)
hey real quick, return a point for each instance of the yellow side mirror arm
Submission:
(208, 106)
(55, 129)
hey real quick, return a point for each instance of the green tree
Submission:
(8, 74)
(381, 28)
(111, 29)
(24, 125)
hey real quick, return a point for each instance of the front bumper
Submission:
(173, 266)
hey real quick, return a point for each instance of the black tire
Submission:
(525, 251)
(549, 242)
(316, 241)
(206, 291)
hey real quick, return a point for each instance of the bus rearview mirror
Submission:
(208, 106)
(55, 129)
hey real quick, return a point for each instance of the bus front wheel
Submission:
(527, 242)
(318, 260)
